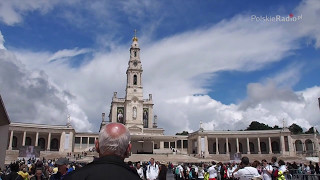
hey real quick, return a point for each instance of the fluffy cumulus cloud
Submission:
(31, 97)
(177, 67)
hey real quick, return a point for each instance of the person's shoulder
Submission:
(251, 168)
(100, 169)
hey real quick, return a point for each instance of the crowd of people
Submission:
(264, 170)
(113, 146)
(33, 169)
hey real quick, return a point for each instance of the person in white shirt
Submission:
(266, 170)
(140, 171)
(244, 171)
(179, 170)
(212, 171)
(201, 172)
(230, 171)
(152, 170)
(283, 168)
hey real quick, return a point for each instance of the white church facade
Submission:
(137, 114)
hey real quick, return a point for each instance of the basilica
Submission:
(148, 140)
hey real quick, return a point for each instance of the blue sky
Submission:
(211, 48)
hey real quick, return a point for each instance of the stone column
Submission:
(190, 146)
(270, 147)
(199, 145)
(282, 145)
(36, 141)
(181, 145)
(71, 138)
(10, 140)
(259, 148)
(290, 145)
(62, 141)
(304, 149)
(24, 138)
(175, 145)
(49, 141)
(206, 149)
(88, 143)
(316, 143)
(80, 143)
(217, 145)
(227, 146)
(248, 146)
(161, 145)
(237, 142)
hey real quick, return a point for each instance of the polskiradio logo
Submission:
(277, 18)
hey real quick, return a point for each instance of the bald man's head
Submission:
(114, 139)
(115, 129)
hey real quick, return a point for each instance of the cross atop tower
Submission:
(135, 36)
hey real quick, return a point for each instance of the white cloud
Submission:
(12, 12)
(66, 53)
(1, 41)
(177, 67)
(31, 97)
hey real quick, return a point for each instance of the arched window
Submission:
(275, 147)
(309, 145)
(28, 141)
(135, 80)
(240, 148)
(54, 145)
(14, 142)
(41, 143)
(298, 145)
(263, 147)
(135, 53)
(251, 145)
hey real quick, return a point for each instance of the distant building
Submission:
(4, 130)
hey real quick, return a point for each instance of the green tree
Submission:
(255, 125)
(276, 127)
(295, 129)
(185, 133)
(311, 131)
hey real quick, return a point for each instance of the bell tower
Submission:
(134, 72)
(134, 89)
(133, 111)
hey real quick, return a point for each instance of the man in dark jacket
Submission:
(113, 146)
(62, 169)
(13, 175)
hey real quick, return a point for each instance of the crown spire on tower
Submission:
(135, 36)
